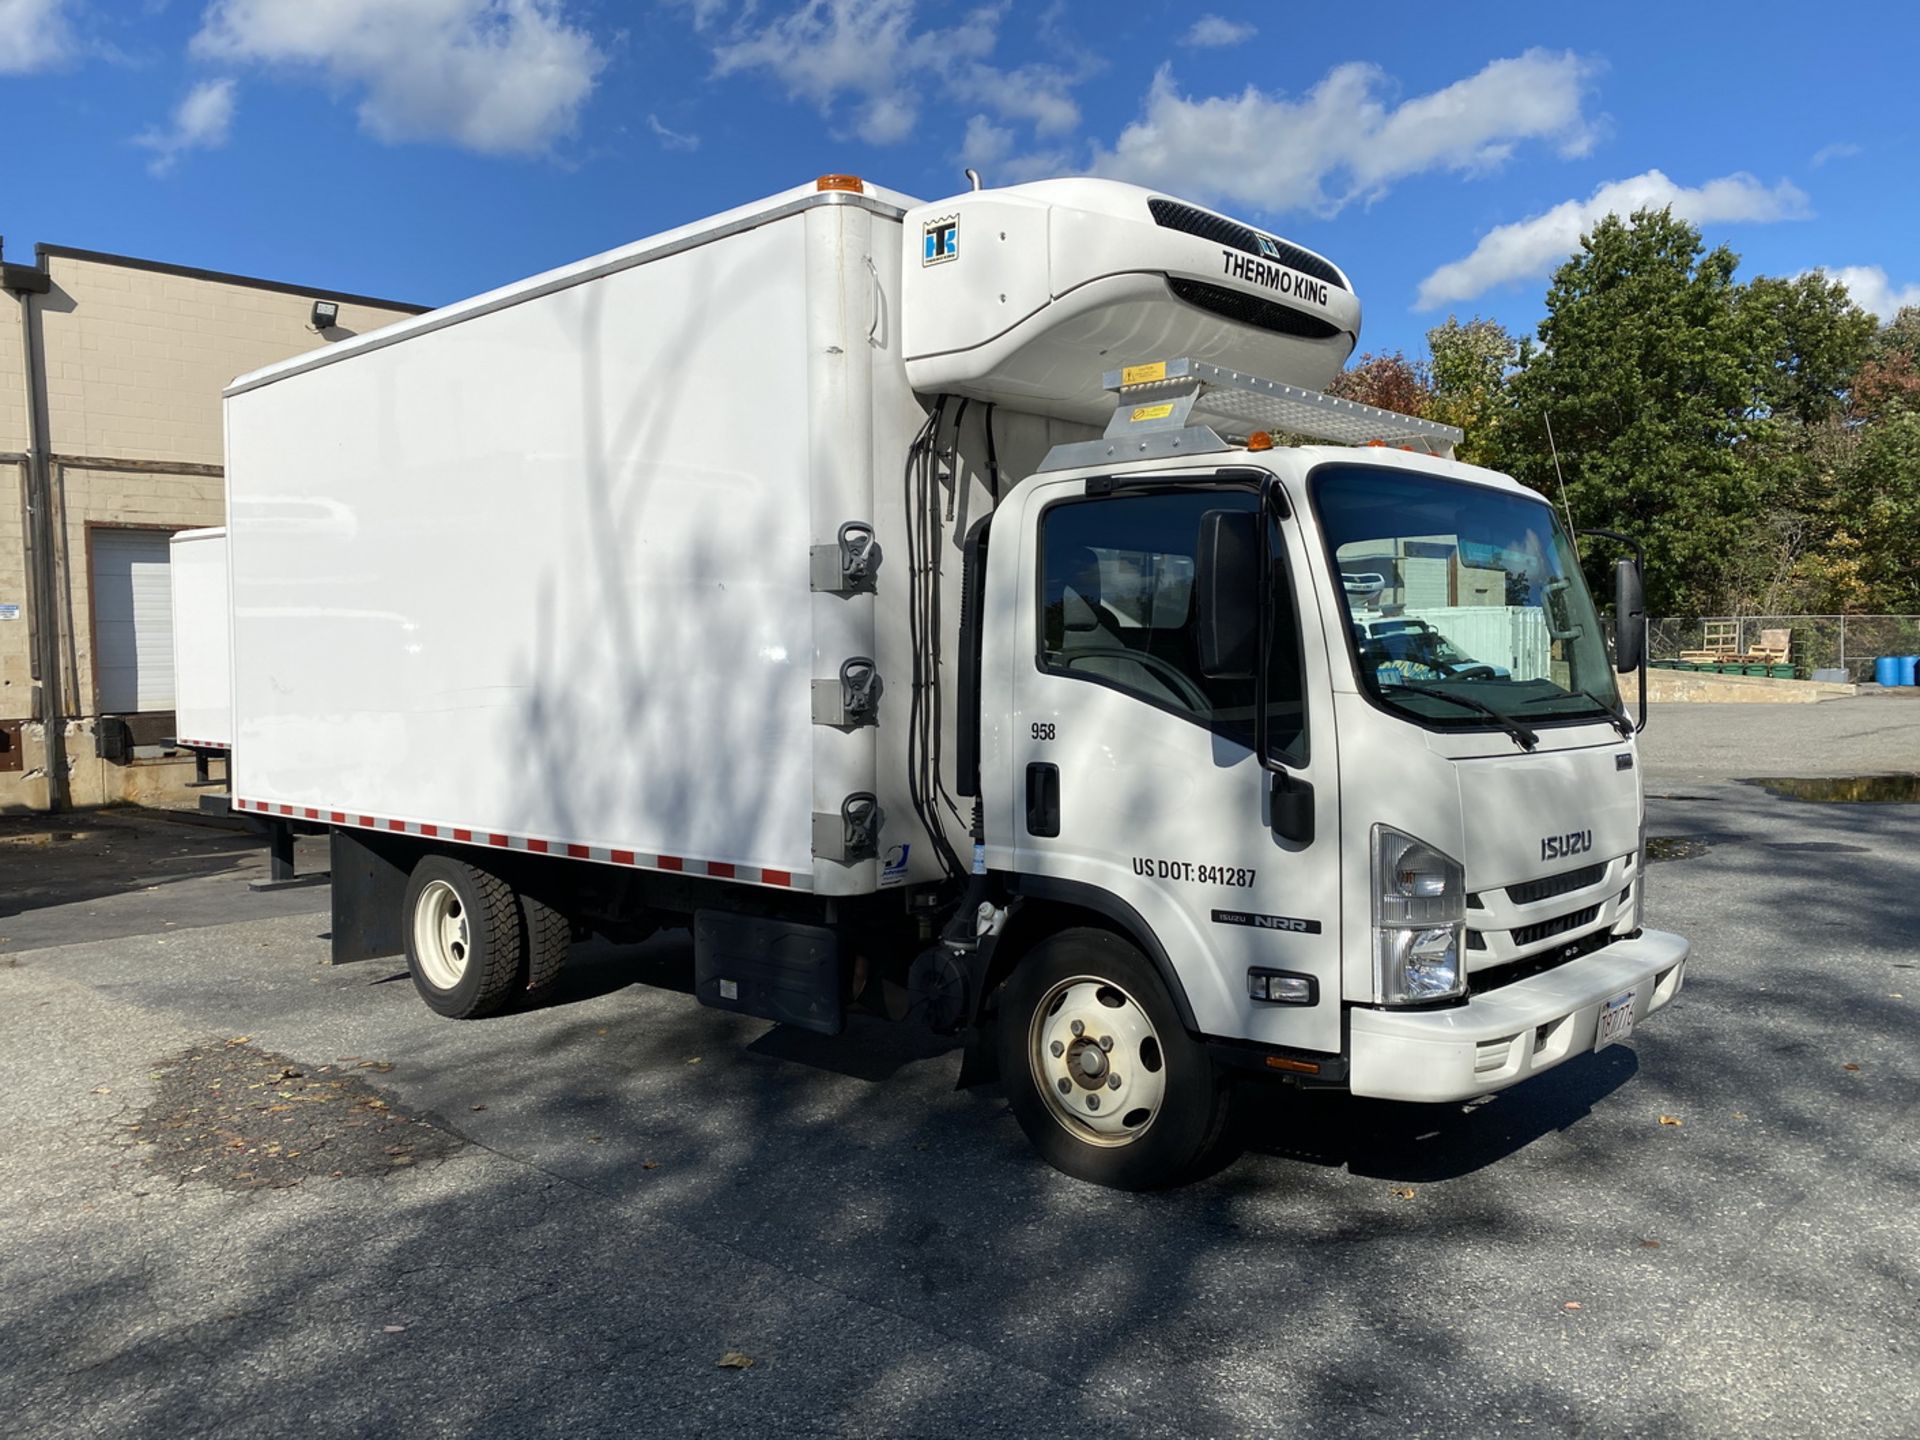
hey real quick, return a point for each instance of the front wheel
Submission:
(1101, 1074)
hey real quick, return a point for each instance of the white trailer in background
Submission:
(913, 601)
(202, 644)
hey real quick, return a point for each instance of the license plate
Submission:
(1616, 1021)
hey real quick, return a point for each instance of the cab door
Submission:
(1135, 783)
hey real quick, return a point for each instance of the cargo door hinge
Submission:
(852, 833)
(849, 565)
(853, 699)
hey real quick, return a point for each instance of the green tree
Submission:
(1645, 372)
(1469, 374)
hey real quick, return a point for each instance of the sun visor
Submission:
(1026, 295)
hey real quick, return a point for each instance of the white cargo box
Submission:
(202, 657)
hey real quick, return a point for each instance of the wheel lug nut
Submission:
(1078, 1029)
(1113, 1082)
(1058, 1049)
(1093, 1102)
(1064, 1084)
(1106, 1042)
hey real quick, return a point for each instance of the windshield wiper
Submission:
(1614, 717)
(1526, 738)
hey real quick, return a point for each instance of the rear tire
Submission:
(465, 945)
(1098, 1069)
(549, 939)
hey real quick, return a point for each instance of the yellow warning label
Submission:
(1150, 412)
(1142, 374)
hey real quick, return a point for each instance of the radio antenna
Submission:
(1573, 536)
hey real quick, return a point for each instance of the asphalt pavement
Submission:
(1710, 1231)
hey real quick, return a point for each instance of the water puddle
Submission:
(1847, 790)
(1674, 847)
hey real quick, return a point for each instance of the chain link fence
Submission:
(1849, 643)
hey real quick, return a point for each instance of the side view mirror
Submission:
(1226, 582)
(1629, 617)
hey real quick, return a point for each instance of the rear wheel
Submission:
(1100, 1072)
(464, 939)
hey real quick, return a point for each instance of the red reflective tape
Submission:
(497, 840)
(369, 821)
(720, 870)
(578, 852)
(463, 834)
(672, 862)
(396, 825)
(538, 847)
(286, 810)
(429, 830)
(313, 814)
(776, 877)
(336, 817)
(622, 857)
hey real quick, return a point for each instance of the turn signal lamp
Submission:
(1259, 440)
(841, 182)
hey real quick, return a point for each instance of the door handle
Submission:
(1043, 799)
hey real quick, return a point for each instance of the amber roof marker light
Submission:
(852, 183)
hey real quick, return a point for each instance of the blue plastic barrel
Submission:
(1886, 670)
(1908, 664)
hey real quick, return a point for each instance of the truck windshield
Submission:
(1458, 590)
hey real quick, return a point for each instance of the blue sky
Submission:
(1447, 157)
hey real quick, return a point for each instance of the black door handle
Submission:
(1043, 799)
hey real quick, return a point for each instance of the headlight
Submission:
(1419, 913)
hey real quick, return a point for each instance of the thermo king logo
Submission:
(940, 240)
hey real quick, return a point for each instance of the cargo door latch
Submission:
(848, 566)
(853, 833)
(852, 700)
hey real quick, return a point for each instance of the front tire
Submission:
(1101, 1074)
(466, 947)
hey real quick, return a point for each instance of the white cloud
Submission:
(1873, 292)
(497, 76)
(33, 35)
(985, 143)
(871, 53)
(1343, 140)
(1210, 30)
(1839, 150)
(1530, 248)
(671, 139)
(202, 121)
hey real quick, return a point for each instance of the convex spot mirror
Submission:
(1629, 617)
(1226, 582)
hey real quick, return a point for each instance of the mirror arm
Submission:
(1640, 565)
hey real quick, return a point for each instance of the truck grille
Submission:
(1172, 215)
(1534, 891)
(1252, 310)
(1560, 925)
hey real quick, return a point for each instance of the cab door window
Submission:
(1117, 610)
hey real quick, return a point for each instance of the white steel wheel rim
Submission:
(1097, 1061)
(442, 940)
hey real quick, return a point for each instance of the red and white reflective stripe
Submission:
(202, 744)
(531, 845)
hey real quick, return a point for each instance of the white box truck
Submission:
(202, 640)
(928, 606)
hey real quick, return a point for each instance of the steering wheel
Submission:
(1473, 671)
(1172, 674)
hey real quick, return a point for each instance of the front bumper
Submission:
(1500, 1038)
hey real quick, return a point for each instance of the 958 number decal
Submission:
(1194, 872)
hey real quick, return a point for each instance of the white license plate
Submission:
(1616, 1021)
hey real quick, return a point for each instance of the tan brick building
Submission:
(111, 370)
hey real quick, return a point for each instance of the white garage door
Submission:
(132, 621)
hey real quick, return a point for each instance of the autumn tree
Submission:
(1469, 376)
(1390, 382)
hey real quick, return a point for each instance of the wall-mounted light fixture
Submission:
(326, 314)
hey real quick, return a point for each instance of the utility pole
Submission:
(25, 282)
